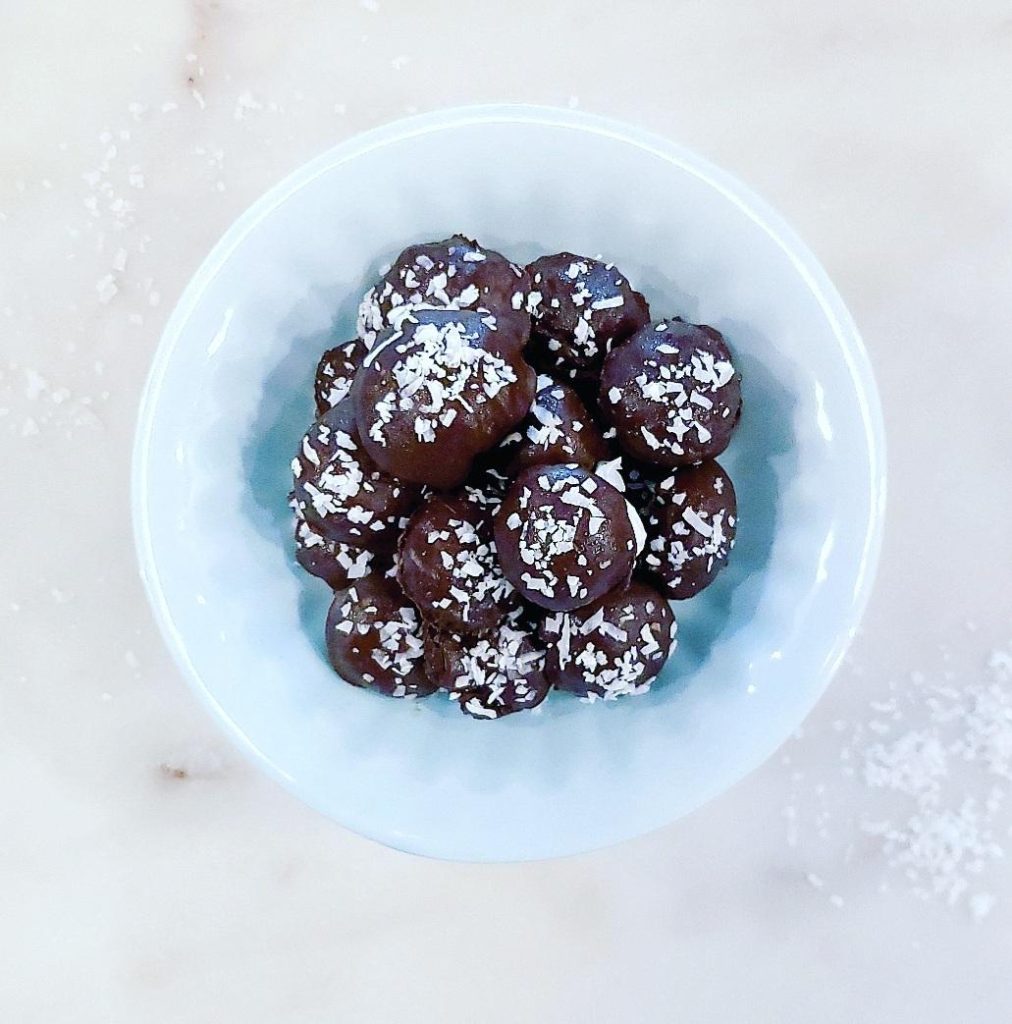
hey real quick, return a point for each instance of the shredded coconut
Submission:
(932, 760)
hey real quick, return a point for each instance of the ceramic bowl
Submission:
(230, 393)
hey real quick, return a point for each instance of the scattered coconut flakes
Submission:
(107, 289)
(933, 759)
(244, 104)
(981, 904)
(35, 384)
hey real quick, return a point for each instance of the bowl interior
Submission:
(230, 394)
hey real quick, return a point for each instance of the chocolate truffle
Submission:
(436, 392)
(374, 638)
(672, 393)
(611, 648)
(336, 372)
(448, 566)
(340, 491)
(580, 309)
(489, 676)
(565, 536)
(690, 529)
(558, 429)
(332, 561)
(456, 273)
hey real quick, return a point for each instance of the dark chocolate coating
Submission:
(436, 392)
(455, 273)
(332, 561)
(490, 676)
(448, 566)
(558, 429)
(341, 492)
(690, 529)
(565, 537)
(493, 468)
(611, 648)
(336, 372)
(374, 638)
(672, 393)
(580, 308)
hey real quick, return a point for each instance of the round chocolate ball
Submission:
(341, 492)
(448, 566)
(336, 372)
(580, 309)
(436, 392)
(489, 676)
(611, 648)
(565, 536)
(374, 638)
(672, 393)
(558, 429)
(455, 273)
(332, 561)
(690, 529)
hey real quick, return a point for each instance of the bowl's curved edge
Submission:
(749, 202)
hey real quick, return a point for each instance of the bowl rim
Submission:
(743, 197)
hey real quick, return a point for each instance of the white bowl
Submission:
(230, 393)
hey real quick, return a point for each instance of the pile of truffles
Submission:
(510, 477)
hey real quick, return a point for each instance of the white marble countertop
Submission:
(149, 874)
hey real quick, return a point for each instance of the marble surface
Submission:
(148, 873)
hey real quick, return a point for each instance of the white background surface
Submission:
(147, 873)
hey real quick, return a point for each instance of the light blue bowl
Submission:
(230, 393)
